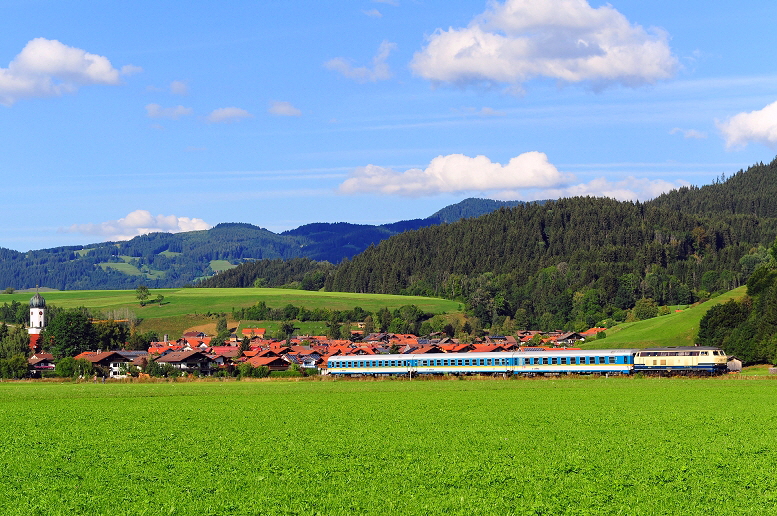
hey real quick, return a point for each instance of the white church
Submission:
(37, 320)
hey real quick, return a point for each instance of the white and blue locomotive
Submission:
(537, 361)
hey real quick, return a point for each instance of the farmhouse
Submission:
(188, 361)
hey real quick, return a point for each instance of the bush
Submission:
(286, 374)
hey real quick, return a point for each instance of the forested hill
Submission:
(581, 260)
(751, 192)
(172, 260)
(472, 207)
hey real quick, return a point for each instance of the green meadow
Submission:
(675, 329)
(479, 446)
(183, 308)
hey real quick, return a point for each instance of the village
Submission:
(253, 353)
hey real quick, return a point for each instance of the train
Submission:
(696, 360)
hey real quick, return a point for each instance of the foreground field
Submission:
(564, 446)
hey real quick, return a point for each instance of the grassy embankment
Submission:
(479, 446)
(675, 329)
(187, 307)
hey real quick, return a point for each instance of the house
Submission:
(41, 362)
(187, 361)
(224, 358)
(273, 363)
(592, 332)
(254, 332)
(309, 361)
(568, 338)
(422, 350)
(109, 361)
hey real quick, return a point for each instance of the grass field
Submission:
(675, 329)
(186, 307)
(541, 446)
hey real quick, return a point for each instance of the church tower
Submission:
(37, 319)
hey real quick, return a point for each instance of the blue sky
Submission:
(125, 117)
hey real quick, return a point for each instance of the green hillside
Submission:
(187, 307)
(675, 329)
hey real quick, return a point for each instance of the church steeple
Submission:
(37, 319)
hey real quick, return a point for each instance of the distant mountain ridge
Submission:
(161, 260)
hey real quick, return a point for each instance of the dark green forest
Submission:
(577, 262)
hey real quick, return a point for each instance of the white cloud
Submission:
(756, 126)
(566, 40)
(457, 173)
(373, 13)
(227, 115)
(48, 68)
(484, 111)
(179, 87)
(380, 70)
(139, 222)
(487, 111)
(691, 134)
(283, 108)
(131, 69)
(389, 2)
(157, 111)
(627, 189)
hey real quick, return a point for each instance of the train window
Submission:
(612, 360)
(482, 361)
(554, 360)
(488, 361)
(460, 362)
(544, 360)
(704, 353)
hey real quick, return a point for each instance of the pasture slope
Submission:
(186, 307)
(676, 329)
(460, 447)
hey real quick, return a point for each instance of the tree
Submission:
(111, 335)
(69, 333)
(15, 366)
(245, 345)
(369, 325)
(286, 329)
(334, 330)
(645, 308)
(68, 367)
(141, 341)
(14, 342)
(222, 332)
(141, 292)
